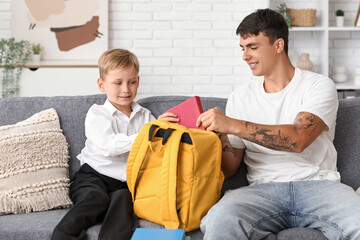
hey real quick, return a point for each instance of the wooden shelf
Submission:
(349, 85)
(60, 64)
(345, 28)
(304, 29)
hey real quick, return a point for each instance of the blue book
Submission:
(158, 234)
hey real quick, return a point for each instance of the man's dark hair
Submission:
(271, 23)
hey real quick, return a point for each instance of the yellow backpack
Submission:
(174, 174)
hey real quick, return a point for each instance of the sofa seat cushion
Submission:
(36, 225)
(301, 234)
(39, 225)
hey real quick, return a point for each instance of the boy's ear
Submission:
(100, 83)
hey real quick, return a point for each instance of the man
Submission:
(284, 122)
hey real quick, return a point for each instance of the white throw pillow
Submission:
(34, 172)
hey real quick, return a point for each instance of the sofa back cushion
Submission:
(347, 141)
(71, 110)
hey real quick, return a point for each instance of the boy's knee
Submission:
(122, 197)
(122, 193)
(96, 198)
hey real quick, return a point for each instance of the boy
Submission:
(99, 190)
(283, 124)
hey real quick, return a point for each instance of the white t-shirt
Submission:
(306, 92)
(110, 135)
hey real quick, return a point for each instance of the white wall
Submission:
(184, 47)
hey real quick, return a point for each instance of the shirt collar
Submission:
(134, 106)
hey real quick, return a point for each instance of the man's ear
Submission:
(279, 45)
(100, 83)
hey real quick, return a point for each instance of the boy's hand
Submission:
(168, 116)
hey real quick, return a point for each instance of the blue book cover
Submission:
(158, 234)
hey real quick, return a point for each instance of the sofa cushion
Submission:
(71, 110)
(347, 141)
(301, 234)
(36, 225)
(33, 165)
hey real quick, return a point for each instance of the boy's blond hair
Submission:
(115, 58)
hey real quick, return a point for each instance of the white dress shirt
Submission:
(110, 135)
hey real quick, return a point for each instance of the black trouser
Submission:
(97, 198)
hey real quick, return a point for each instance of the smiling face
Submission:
(120, 86)
(260, 54)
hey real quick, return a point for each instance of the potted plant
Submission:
(13, 56)
(282, 10)
(339, 18)
(36, 49)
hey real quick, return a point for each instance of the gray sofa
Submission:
(72, 111)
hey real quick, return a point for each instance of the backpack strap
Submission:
(169, 177)
(172, 141)
(138, 151)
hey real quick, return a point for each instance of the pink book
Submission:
(188, 112)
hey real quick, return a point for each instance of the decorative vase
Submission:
(339, 21)
(305, 62)
(357, 76)
(339, 74)
(36, 57)
(357, 80)
(340, 77)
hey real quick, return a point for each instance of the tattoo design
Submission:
(264, 137)
(307, 120)
(229, 149)
(281, 141)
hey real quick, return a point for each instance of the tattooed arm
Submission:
(231, 157)
(290, 137)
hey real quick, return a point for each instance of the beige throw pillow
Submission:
(34, 172)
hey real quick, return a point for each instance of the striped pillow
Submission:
(33, 165)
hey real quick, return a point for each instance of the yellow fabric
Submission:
(174, 184)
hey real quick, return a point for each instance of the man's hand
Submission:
(214, 120)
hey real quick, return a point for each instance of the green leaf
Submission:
(13, 55)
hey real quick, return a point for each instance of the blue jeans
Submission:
(253, 212)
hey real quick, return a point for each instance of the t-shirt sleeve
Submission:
(321, 100)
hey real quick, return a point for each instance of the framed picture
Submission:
(357, 19)
(66, 30)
